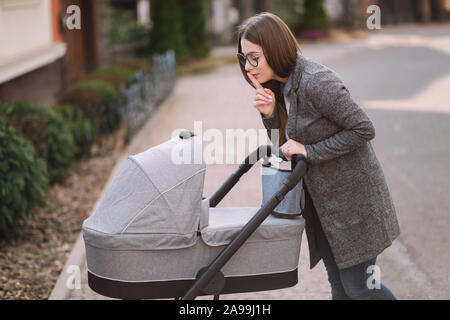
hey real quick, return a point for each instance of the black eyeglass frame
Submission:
(241, 58)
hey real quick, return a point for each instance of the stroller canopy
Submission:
(154, 201)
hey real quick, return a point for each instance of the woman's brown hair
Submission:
(280, 49)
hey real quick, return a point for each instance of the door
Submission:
(82, 45)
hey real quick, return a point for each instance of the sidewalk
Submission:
(220, 100)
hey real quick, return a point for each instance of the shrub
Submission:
(125, 71)
(105, 89)
(82, 130)
(124, 29)
(287, 11)
(167, 33)
(314, 16)
(194, 28)
(48, 132)
(23, 180)
(122, 73)
(98, 101)
(115, 79)
(135, 64)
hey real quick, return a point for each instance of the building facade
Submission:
(31, 50)
(43, 50)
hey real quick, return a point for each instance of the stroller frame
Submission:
(209, 279)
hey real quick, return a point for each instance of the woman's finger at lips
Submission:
(254, 81)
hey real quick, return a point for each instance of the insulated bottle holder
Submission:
(294, 201)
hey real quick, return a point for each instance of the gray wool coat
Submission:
(344, 180)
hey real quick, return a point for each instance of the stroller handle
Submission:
(262, 151)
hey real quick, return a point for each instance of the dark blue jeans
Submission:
(350, 283)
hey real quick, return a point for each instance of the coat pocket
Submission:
(347, 205)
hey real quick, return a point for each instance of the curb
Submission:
(77, 255)
(61, 290)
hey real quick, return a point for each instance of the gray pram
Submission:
(153, 235)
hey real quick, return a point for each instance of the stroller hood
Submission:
(153, 202)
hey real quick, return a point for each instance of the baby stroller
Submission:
(154, 236)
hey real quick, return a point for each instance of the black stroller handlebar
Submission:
(211, 273)
(261, 152)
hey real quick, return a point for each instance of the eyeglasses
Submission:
(252, 59)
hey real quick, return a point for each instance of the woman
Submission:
(350, 217)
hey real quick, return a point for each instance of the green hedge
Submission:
(194, 28)
(126, 71)
(98, 100)
(314, 16)
(135, 64)
(167, 32)
(23, 180)
(47, 130)
(83, 132)
(121, 73)
(115, 79)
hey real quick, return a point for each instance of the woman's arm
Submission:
(272, 123)
(330, 97)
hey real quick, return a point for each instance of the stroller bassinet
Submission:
(154, 236)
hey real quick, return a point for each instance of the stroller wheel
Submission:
(216, 285)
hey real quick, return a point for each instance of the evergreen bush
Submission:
(47, 130)
(98, 101)
(82, 130)
(23, 180)
(135, 64)
(167, 33)
(314, 16)
(194, 28)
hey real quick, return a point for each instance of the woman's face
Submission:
(263, 72)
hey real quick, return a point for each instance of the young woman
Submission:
(350, 217)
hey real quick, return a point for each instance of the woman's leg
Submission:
(355, 283)
(337, 290)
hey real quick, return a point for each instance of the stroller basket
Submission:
(153, 235)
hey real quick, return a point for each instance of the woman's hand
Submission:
(292, 147)
(264, 99)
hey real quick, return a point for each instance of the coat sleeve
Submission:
(331, 98)
(272, 124)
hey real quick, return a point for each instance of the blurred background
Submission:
(40, 57)
(84, 83)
